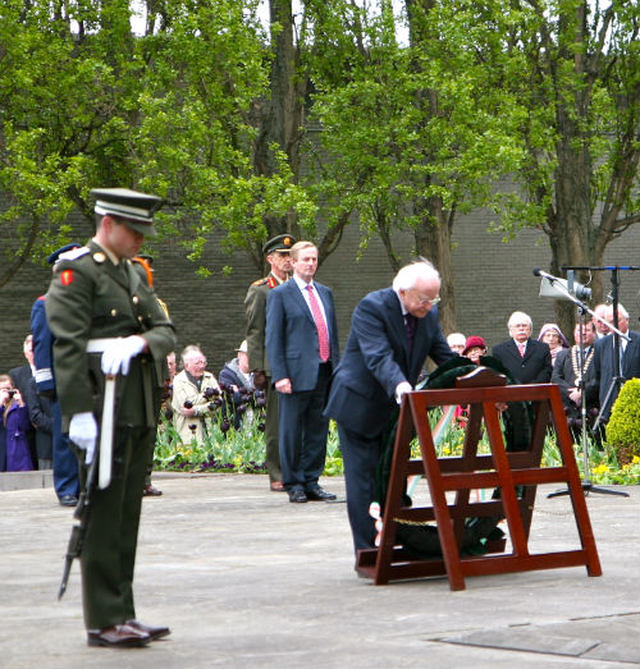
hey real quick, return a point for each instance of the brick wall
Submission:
(492, 279)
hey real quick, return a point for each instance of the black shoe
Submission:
(317, 494)
(155, 632)
(118, 636)
(297, 496)
(68, 500)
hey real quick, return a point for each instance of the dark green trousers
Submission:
(109, 548)
(272, 433)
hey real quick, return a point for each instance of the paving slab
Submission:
(246, 579)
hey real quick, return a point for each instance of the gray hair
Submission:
(407, 276)
(622, 312)
(519, 317)
(190, 350)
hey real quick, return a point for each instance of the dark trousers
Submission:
(272, 433)
(360, 456)
(66, 480)
(303, 433)
(109, 549)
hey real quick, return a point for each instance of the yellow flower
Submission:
(635, 460)
(601, 469)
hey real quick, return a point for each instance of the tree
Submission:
(413, 135)
(576, 71)
(85, 102)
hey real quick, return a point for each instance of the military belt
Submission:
(108, 406)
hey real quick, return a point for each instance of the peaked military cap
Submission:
(279, 243)
(135, 207)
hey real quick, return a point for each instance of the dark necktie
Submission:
(410, 323)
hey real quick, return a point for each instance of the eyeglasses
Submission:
(426, 301)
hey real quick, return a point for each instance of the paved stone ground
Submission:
(246, 579)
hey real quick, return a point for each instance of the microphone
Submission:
(538, 272)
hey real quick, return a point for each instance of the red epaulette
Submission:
(272, 282)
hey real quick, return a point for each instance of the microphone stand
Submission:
(587, 485)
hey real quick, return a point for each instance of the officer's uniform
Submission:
(256, 311)
(90, 301)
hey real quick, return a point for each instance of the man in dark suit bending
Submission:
(302, 349)
(393, 330)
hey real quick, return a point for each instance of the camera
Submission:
(12, 393)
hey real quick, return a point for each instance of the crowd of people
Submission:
(101, 368)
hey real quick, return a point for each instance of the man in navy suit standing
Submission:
(393, 330)
(302, 349)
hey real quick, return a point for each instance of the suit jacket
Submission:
(534, 367)
(292, 337)
(21, 377)
(377, 359)
(604, 367)
(564, 375)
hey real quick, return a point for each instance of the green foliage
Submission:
(227, 449)
(623, 428)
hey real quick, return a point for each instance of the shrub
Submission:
(623, 428)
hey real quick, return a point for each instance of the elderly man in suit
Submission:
(302, 348)
(611, 376)
(527, 361)
(393, 330)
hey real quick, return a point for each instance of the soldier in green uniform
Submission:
(109, 328)
(276, 251)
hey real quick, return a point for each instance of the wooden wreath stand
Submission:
(517, 474)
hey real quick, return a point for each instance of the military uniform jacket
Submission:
(256, 309)
(91, 298)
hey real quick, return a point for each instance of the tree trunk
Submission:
(433, 242)
(279, 119)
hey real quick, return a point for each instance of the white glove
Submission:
(83, 432)
(402, 388)
(117, 356)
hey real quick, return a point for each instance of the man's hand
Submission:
(260, 379)
(575, 395)
(83, 432)
(284, 386)
(402, 388)
(117, 356)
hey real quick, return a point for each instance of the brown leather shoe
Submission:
(118, 636)
(150, 491)
(153, 632)
(277, 486)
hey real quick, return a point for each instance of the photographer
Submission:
(14, 415)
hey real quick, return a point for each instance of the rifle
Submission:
(81, 513)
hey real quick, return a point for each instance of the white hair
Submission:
(190, 351)
(622, 312)
(519, 317)
(407, 276)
